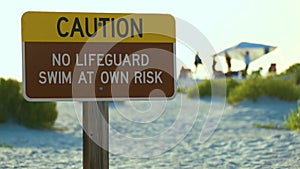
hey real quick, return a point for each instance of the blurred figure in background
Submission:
(272, 69)
(257, 73)
(214, 63)
(247, 62)
(228, 61)
(197, 60)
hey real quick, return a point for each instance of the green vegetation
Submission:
(201, 89)
(181, 90)
(283, 87)
(37, 114)
(253, 88)
(30, 114)
(10, 98)
(269, 126)
(293, 72)
(204, 88)
(5, 145)
(292, 122)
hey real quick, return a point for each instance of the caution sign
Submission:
(97, 56)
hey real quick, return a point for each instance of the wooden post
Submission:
(95, 124)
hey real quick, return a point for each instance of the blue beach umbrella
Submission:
(255, 50)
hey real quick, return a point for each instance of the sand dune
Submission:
(234, 144)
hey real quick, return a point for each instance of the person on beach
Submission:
(197, 60)
(272, 68)
(214, 63)
(228, 61)
(247, 62)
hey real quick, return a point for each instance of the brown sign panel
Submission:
(55, 68)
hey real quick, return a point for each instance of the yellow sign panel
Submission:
(97, 27)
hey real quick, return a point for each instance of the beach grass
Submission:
(293, 72)
(253, 88)
(284, 86)
(292, 121)
(30, 114)
(222, 88)
(269, 125)
(9, 98)
(181, 90)
(37, 114)
(2, 145)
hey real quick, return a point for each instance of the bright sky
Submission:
(223, 23)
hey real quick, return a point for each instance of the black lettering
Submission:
(87, 27)
(139, 29)
(113, 27)
(118, 27)
(104, 25)
(123, 35)
(77, 28)
(59, 27)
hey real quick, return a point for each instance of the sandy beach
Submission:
(236, 143)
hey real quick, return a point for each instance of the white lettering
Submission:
(82, 78)
(99, 59)
(108, 62)
(104, 77)
(59, 59)
(137, 76)
(91, 58)
(43, 79)
(135, 59)
(55, 77)
(147, 77)
(109, 59)
(114, 77)
(145, 59)
(126, 60)
(157, 77)
(77, 61)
